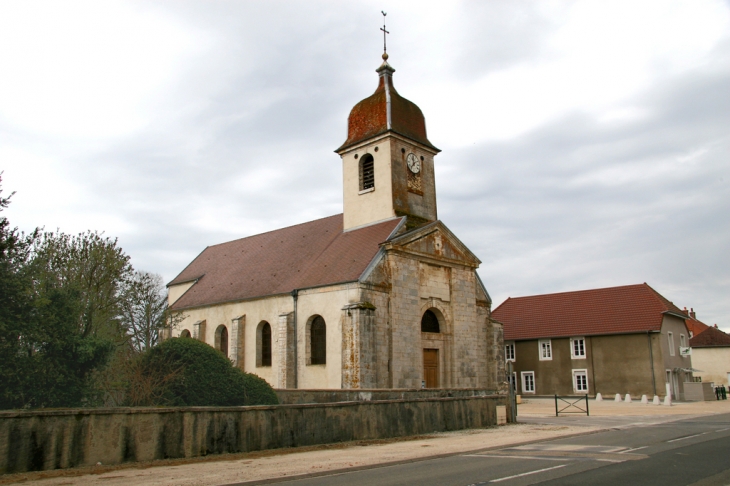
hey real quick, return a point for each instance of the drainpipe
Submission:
(651, 361)
(295, 295)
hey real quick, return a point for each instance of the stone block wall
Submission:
(57, 439)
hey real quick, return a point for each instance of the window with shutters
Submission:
(367, 172)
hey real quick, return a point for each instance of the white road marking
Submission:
(527, 473)
(688, 437)
(722, 430)
(502, 456)
(634, 449)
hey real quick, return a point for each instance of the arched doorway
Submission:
(431, 343)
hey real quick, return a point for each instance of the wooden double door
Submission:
(431, 367)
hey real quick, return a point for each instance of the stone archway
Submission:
(435, 347)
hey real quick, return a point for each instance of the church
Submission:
(383, 295)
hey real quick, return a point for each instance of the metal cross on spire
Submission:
(385, 48)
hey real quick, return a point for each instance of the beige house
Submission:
(711, 356)
(381, 296)
(625, 340)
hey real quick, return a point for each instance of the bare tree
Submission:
(143, 310)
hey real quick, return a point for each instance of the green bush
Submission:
(187, 372)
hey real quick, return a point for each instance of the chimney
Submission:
(692, 313)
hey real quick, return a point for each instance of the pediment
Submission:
(435, 241)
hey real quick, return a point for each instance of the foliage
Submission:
(44, 361)
(93, 266)
(187, 372)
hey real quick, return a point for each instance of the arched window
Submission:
(429, 322)
(185, 333)
(367, 172)
(318, 341)
(221, 339)
(263, 344)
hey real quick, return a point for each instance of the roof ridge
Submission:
(664, 301)
(273, 231)
(578, 291)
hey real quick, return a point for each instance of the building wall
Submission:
(714, 363)
(673, 360)
(255, 311)
(327, 302)
(450, 292)
(614, 364)
(374, 337)
(390, 196)
(371, 206)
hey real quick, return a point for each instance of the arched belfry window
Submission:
(429, 322)
(263, 345)
(367, 172)
(317, 341)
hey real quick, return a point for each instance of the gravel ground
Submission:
(258, 466)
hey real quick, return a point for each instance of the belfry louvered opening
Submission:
(367, 172)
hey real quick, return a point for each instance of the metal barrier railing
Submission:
(567, 404)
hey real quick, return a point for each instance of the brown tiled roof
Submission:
(695, 326)
(369, 117)
(614, 310)
(708, 338)
(302, 256)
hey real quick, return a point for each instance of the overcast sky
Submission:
(584, 144)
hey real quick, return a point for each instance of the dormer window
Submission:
(367, 172)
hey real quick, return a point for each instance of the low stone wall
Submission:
(293, 396)
(53, 439)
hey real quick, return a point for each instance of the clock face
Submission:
(414, 165)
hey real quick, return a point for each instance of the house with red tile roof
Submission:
(694, 325)
(383, 295)
(711, 355)
(613, 340)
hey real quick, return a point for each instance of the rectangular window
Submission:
(670, 337)
(513, 381)
(682, 341)
(546, 349)
(509, 352)
(578, 348)
(580, 381)
(528, 382)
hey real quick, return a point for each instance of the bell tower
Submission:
(387, 160)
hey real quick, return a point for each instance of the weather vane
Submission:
(385, 48)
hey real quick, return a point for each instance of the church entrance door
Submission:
(431, 367)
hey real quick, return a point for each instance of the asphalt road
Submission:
(688, 452)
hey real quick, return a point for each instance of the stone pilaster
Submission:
(238, 327)
(358, 346)
(286, 346)
(498, 365)
(199, 331)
